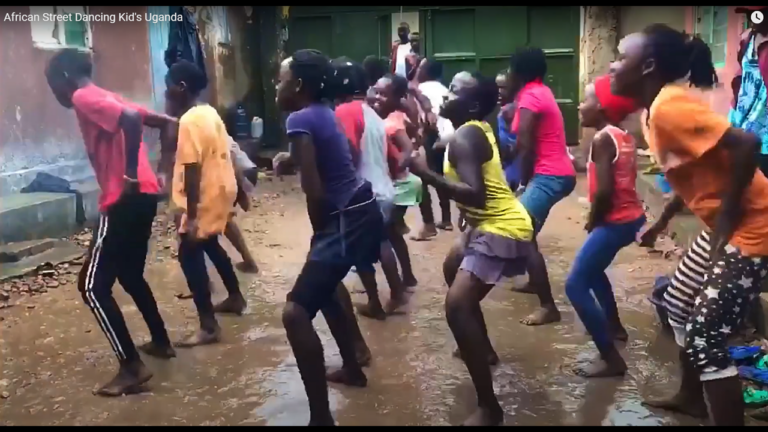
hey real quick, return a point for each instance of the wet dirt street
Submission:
(54, 353)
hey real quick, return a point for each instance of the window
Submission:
(57, 34)
(711, 24)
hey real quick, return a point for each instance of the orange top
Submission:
(683, 132)
(203, 140)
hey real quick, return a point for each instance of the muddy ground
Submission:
(54, 353)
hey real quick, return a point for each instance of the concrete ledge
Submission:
(42, 215)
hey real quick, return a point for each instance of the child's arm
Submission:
(603, 154)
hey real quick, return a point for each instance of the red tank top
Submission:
(626, 204)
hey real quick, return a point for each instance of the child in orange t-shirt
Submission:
(712, 169)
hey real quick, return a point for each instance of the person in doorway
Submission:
(496, 244)
(712, 168)
(370, 148)
(750, 87)
(547, 175)
(389, 92)
(112, 129)
(401, 48)
(616, 215)
(428, 76)
(203, 192)
(346, 220)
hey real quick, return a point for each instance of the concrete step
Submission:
(16, 252)
(57, 252)
(43, 215)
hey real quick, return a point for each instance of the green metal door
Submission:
(352, 34)
(482, 38)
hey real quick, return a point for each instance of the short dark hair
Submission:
(528, 64)
(314, 70)
(399, 85)
(487, 94)
(434, 69)
(375, 68)
(678, 54)
(190, 74)
(70, 63)
(350, 78)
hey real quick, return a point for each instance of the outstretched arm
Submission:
(468, 152)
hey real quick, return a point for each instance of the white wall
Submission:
(412, 18)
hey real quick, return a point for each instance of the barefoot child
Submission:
(366, 132)
(346, 221)
(497, 243)
(389, 92)
(615, 217)
(547, 175)
(712, 168)
(204, 190)
(112, 129)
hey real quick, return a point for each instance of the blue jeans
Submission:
(542, 193)
(588, 276)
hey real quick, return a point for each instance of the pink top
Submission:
(394, 123)
(551, 151)
(98, 112)
(626, 205)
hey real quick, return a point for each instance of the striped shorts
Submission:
(687, 281)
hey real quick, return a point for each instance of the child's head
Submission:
(184, 82)
(527, 64)
(350, 80)
(66, 72)
(389, 92)
(502, 81)
(304, 79)
(601, 106)
(657, 56)
(471, 96)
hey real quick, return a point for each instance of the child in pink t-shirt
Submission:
(547, 174)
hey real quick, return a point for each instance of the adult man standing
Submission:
(400, 50)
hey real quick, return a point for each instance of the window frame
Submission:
(58, 40)
(710, 38)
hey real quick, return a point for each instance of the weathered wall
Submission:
(635, 18)
(38, 134)
(599, 38)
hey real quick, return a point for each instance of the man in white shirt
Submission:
(400, 50)
(428, 76)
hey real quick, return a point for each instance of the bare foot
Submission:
(410, 282)
(426, 233)
(525, 289)
(158, 351)
(231, 305)
(620, 334)
(445, 226)
(247, 267)
(690, 406)
(493, 358)
(371, 311)
(603, 369)
(363, 356)
(202, 337)
(346, 377)
(486, 417)
(395, 303)
(543, 315)
(129, 380)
